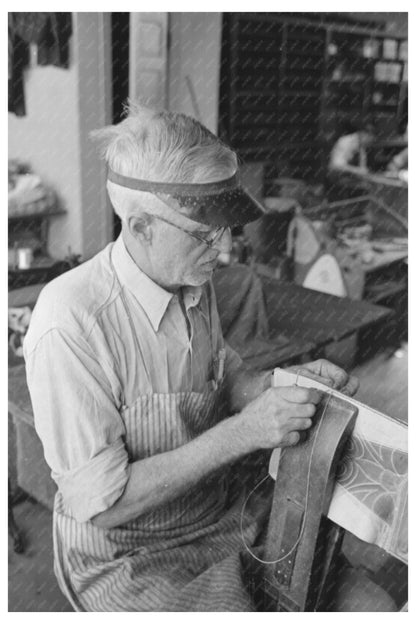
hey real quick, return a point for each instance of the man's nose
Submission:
(225, 242)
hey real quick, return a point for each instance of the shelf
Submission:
(255, 48)
(39, 262)
(381, 106)
(291, 36)
(250, 92)
(306, 53)
(36, 215)
(42, 271)
(347, 81)
(299, 92)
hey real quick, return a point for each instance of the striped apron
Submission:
(182, 556)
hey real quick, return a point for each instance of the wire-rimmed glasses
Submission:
(214, 235)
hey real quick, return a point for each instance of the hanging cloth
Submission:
(50, 32)
(18, 60)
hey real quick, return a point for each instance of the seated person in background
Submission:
(349, 152)
(400, 161)
(127, 370)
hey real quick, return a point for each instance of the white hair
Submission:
(160, 146)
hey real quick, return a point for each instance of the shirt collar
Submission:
(153, 298)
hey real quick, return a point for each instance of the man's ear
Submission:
(140, 227)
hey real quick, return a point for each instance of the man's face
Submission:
(179, 259)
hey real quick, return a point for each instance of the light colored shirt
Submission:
(345, 150)
(83, 367)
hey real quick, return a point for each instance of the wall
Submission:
(175, 62)
(148, 58)
(93, 46)
(62, 106)
(194, 65)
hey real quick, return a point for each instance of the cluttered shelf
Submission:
(372, 232)
(354, 248)
(383, 258)
(331, 74)
(32, 216)
(42, 270)
(31, 206)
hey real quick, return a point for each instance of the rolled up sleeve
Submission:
(78, 422)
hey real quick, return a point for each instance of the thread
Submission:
(293, 548)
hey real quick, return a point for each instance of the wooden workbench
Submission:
(308, 315)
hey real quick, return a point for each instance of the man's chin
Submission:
(200, 277)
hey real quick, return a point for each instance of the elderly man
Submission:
(126, 364)
(347, 165)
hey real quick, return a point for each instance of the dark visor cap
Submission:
(223, 203)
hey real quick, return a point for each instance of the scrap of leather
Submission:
(370, 497)
(302, 495)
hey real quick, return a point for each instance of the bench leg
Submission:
(14, 532)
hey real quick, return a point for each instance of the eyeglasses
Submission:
(214, 235)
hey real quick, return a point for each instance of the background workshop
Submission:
(316, 105)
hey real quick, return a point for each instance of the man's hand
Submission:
(329, 374)
(276, 417)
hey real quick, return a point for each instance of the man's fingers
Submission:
(351, 387)
(299, 394)
(290, 439)
(298, 424)
(327, 370)
(323, 380)
(334, 372)
(331, 375)
(302, 410)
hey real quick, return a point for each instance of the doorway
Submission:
(120, 44)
